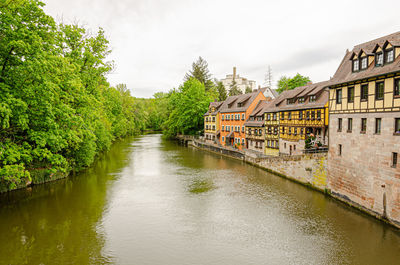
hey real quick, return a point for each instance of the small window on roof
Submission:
(301, 100)
(356, 65)
(389, 55)
(364, 63)
(379, 59)
(313, 98)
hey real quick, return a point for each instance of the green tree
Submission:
(200, 72)
(248, 90)
(222, 94)
(186, 106)
(288, 83)
(234, 90)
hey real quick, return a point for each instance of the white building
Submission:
(241, 82)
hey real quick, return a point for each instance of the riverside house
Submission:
(211, 123)
(364, 107)
(271, 117)
(303, 118)
(255, 128)
(233, 114)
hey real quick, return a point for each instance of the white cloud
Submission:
(154, 42)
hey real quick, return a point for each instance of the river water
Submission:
(151, 201)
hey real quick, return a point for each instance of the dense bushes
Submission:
(57, 110)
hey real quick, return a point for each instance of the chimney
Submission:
(259, 87)
(234, 73)
(309, 83)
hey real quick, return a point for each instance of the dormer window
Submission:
(301, 100)
(379, 59)
(291, 101)
(356, 65)
(313, 98)
(364, 63)
(389, 56)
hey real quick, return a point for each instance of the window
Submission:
(340, 149)
(313, 115)
(397, 87)
(356, 65)
(282, 115)
(260, 132)
(318, 115)
(294, 147)
(302, 131)
(308, 115)
(276, 144)
(300, 115)
(350, 94)
(339, 96)
(275, 130)
(268, 117)
(313, 98)
(364, 92)
(397, 126)
(242, 129)
(364, 63)
(269, 129)
(291, 101)
(339, 124)
(363, 125)
(213, 119)
(243, 116)
(378, 125)
(242, 140)
(232, 128)
(283, 130)
(274, 116)
(389, 56)
(379, 59)
(222, 117)
(301, 100)
(223, 138)
(349, 124)
(214, 127)
(285, 145)
(379, 89)
(394, 159)
(223, 127)
(290, 116)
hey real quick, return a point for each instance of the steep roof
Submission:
(344, 72)
(231, 104)
(215, 104)
(317, 89)
(258, 111)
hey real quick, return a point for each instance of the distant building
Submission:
(233, 114)
(211, 123)
(241, 82)
(255, 132)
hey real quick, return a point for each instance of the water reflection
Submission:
(58, 223)
(150, 201)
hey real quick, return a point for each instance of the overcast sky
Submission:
(154, 42)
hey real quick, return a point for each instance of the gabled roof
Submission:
(214, 104)
(344, 72)
(258, 111)
(231, 103)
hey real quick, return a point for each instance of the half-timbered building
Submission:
(254, 128)
(364, 106)
(303, 118)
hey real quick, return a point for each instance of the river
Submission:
(151, 201)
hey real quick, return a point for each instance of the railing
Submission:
(316, 150)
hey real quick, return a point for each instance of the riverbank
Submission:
(309, 170)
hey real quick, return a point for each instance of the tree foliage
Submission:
(185, 108)
(222, 94)
(57, 110)
(200, 72)
(248, 90)
(288, 83)
(234, 90)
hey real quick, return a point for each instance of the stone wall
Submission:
(310, 169)
(362, 174)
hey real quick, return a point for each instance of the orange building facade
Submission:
(233, 114)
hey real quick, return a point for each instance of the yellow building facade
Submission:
(271, 117)
(211, 123)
